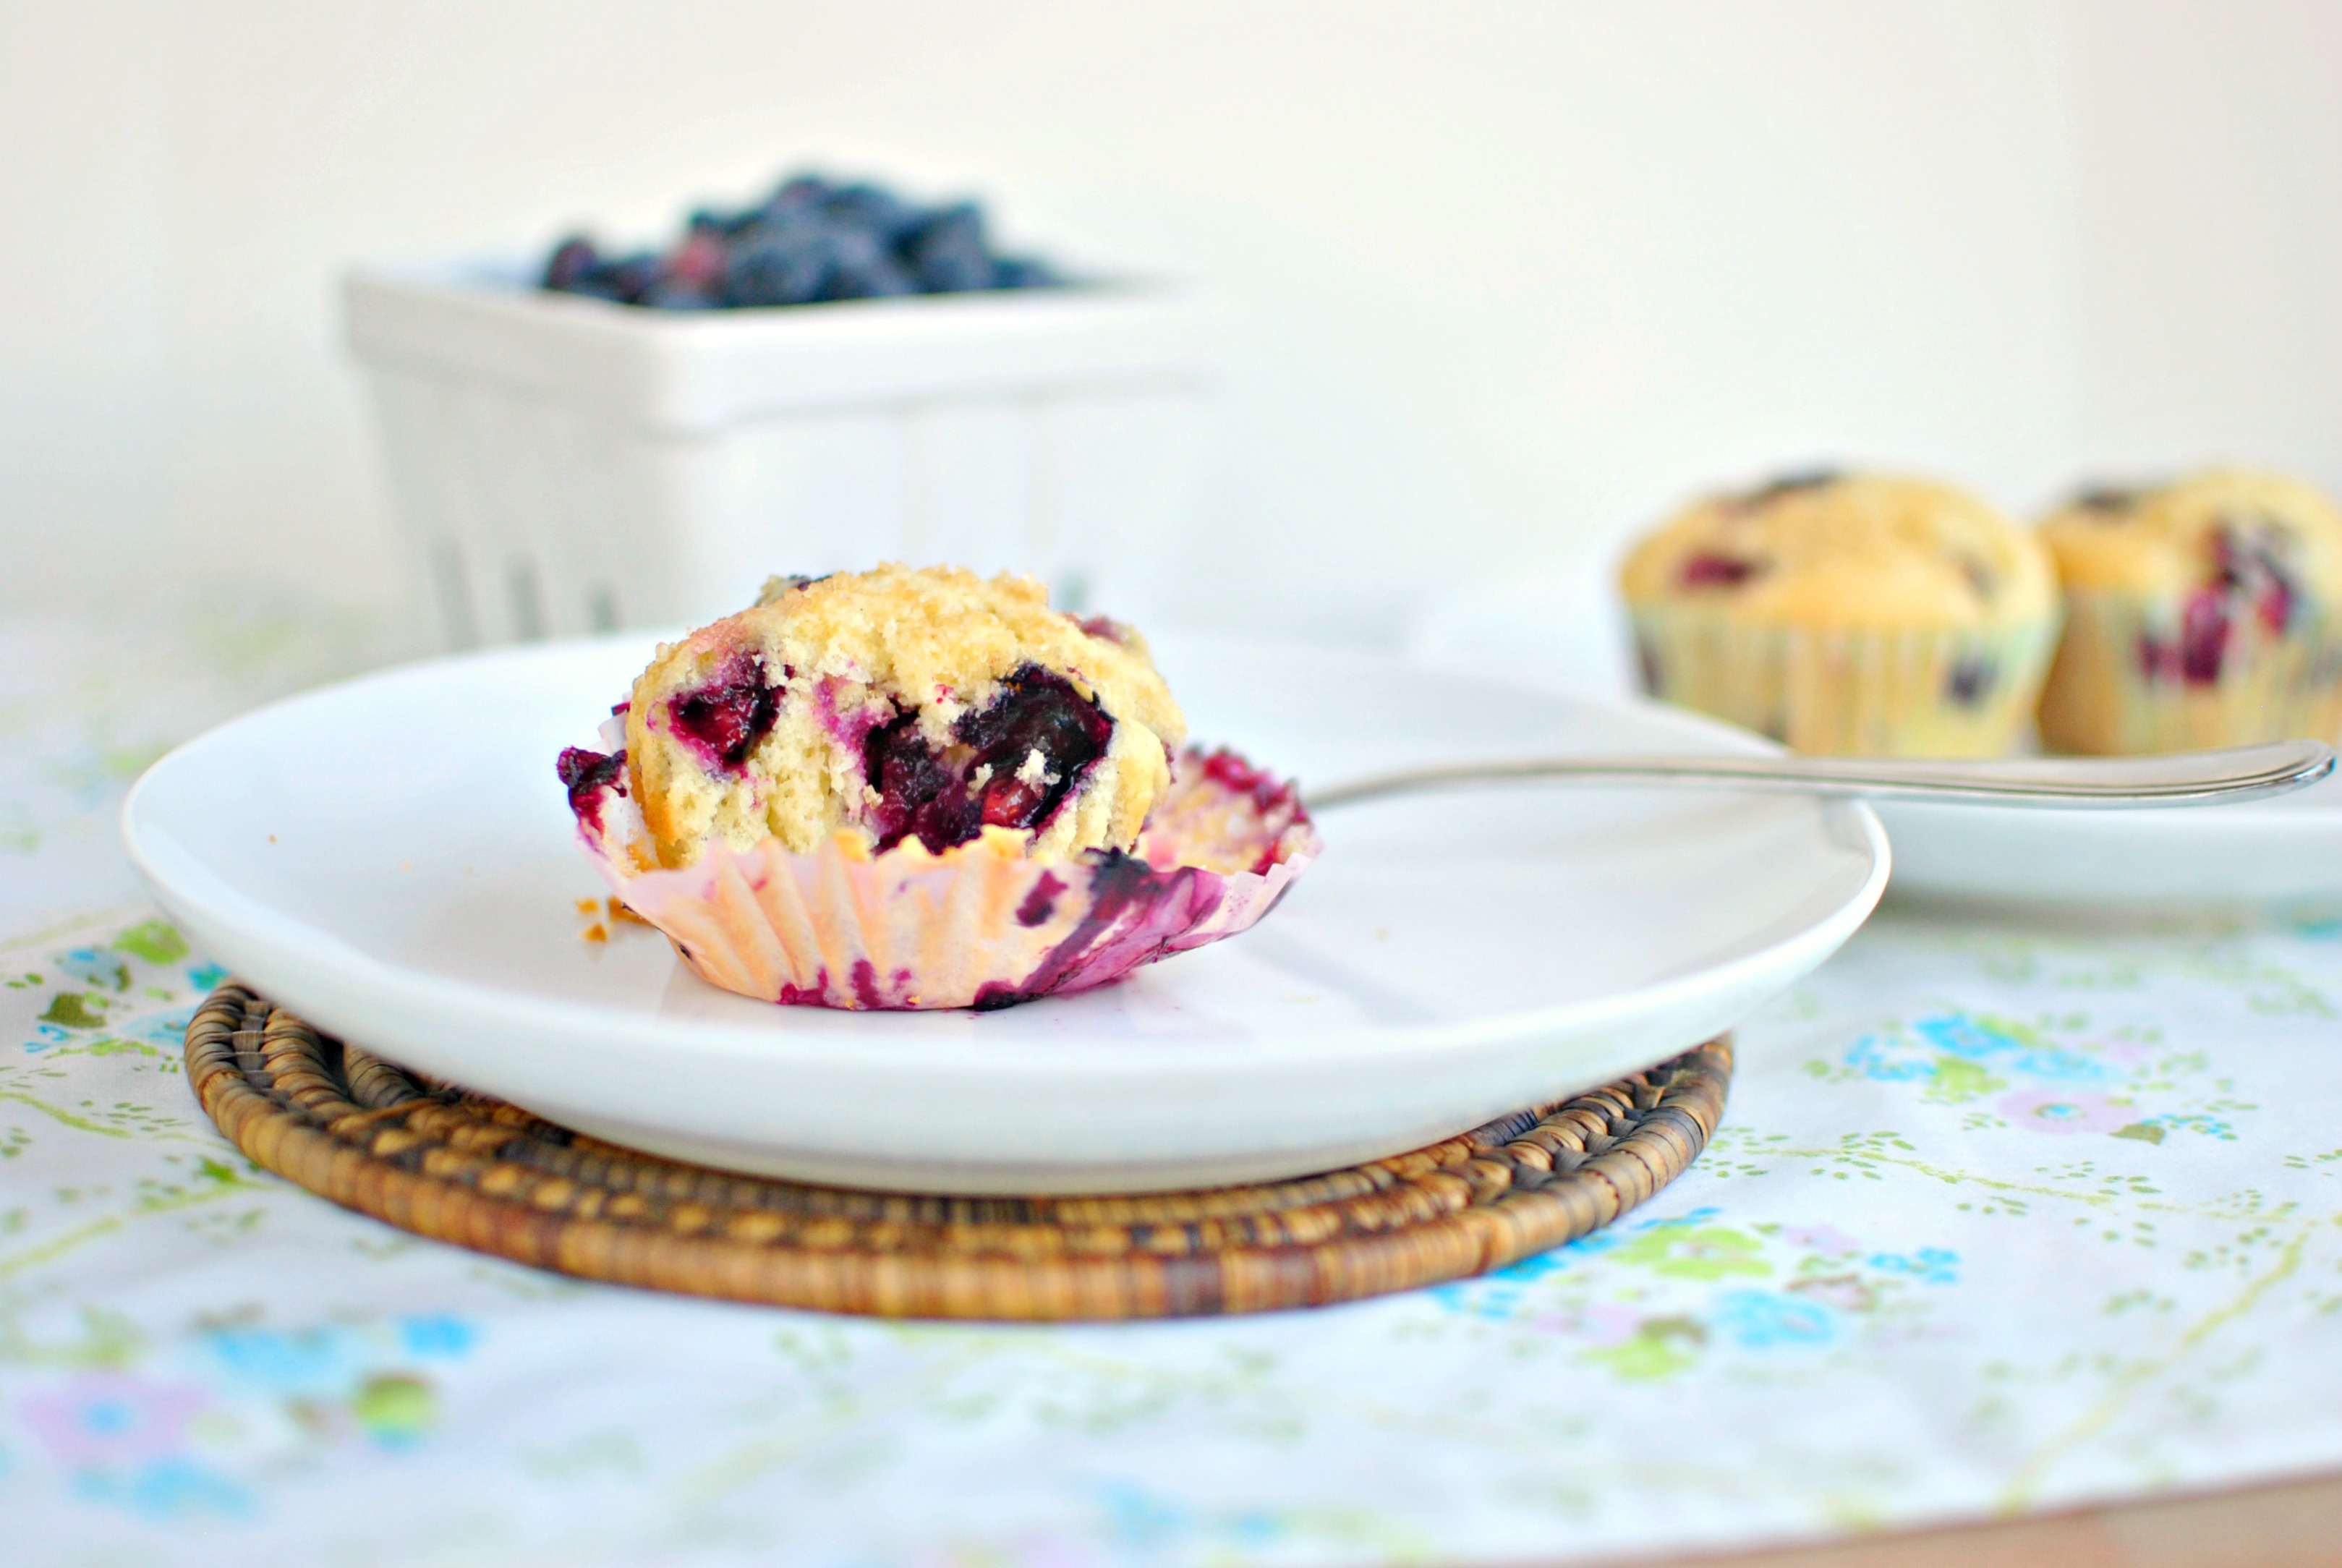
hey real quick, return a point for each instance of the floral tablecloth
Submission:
(2004, 1216)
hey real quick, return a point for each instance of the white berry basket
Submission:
(561, 464)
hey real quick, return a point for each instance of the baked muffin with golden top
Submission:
(922, 789)
(1847, 615)
(2204, 612)
(929, 704)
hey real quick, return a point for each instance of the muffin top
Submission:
(2219, 528)
(927, 704)
(1860, 552)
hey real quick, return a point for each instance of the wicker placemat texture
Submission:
(461, 1167)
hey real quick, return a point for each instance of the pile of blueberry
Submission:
(809, 241)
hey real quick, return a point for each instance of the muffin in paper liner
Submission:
(2123, 683)
(2204, 610)
(980, 925)
(1964, 693)
(1854, 614)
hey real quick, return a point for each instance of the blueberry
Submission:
(922, 795)
(952, 267)
(2203, 636)
(887, 218)
(961, 224)
(1970, 681)
(585, 774)
(853, 248)
(919, 795)
(1707, 570)
(725, 718)
(572, 259)
(881, 279)
(799, 192)
(1023, 272)
(1037, 710)
(861, 268)
(780, 266)
(947, 253)
(793, 226)
(630, 277)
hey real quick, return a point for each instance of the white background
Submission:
(1501, 281)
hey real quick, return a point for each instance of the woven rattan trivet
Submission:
(460, 1167)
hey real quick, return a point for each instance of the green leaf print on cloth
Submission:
(2004, 1215)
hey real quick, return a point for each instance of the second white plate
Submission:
(1564, 632)
(2278, 850)
(393, 859)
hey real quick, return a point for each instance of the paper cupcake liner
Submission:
(2120, 686)
(979, 926)
(1944, 694)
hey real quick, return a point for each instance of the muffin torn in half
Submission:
(919, 789)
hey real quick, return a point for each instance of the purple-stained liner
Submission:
(979, 926)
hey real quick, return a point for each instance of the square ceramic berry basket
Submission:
(562, 466)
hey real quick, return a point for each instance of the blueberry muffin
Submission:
(1847, 615)
(900, 704)
(2206, 612)
(920, 789)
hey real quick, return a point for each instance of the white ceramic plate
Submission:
(393, 859)
(2277, 851)
(1563, 632)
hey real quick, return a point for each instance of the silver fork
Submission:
(2181, 778)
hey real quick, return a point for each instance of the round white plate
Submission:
(2276, 851)
(394, 860)
(1563, 633)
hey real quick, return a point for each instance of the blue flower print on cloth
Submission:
(2004, 1215)
(2056, 1075)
